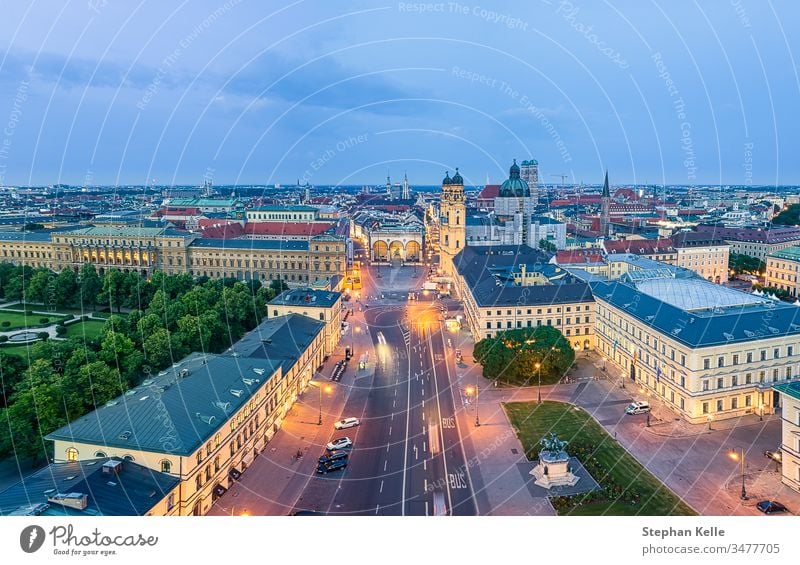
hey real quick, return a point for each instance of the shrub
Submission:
(43, 336)
(29, 312)
(5, 323)
(67, 317)
(44, 320)
(61, 330)
(3, 338)
(86, 318)
(61, 322)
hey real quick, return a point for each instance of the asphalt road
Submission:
(408, 457)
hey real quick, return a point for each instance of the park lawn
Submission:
(89, 329)
(532, 422)
(18, 350)
(18, 320)
(23, 306)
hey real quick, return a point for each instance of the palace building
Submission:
(313, 260)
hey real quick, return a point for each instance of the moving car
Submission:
(333, 456)
(346, 423)
(324, 468)
(340, 443)
(776, 455)
(638, 407)
(770, 506)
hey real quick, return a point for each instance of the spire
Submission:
(606, 191)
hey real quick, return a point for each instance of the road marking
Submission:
(423, 404)
(423, 416)
(457, 480)
(377, 507)
(424, 448)
(416, 453)
(426, 508)
(380, 490)
(424, 464)
(426, 485)
(405, 447)
(439, 411)
(392, 416)
(387, 446)
(448, 422)
(394, 403)
(390, 430)
(385, 463)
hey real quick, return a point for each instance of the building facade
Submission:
(207, 417)
(783, 268)
(790, 434)
(704, 253)
(452, 225)
(755, 242)
(322, 305)
(708, 352)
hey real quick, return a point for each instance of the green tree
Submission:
(114, 285)
(546, 245)
(158, 348)
(36, 289)
(788, 217)
(66, 287)
(118, 350)
(740, 263)
(94, 384)
(512, 356)
(90, 285)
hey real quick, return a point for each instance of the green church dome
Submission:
(514, 187)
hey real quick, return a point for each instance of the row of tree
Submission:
(169, 317)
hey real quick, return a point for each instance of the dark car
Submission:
(334, 455)
(323, 468)
(770, 506)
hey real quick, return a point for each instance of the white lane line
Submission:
(405, 447)
(426, 508)
(377, 507)
(423, 416)
(380, 490)
(392, 416)
(426, 485)
(424, 447)
(385, 463)
(423, 404)
(390, 430)
(394, 403)
(395, 392)
(439, 412)
(424, 465)
(423, 391)
(387, 446)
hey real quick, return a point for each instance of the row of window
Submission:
(735, 358)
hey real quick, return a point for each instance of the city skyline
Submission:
(656, 95)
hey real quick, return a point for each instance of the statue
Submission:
(553, 468)
(552, 444)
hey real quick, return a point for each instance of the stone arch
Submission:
(413, 251)
(396, 250)
(380, 251)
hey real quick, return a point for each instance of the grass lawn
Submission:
(88, 330)
(610, 464)
(23, 306)
(18, 350)
(18, 320)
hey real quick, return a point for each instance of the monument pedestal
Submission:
(552, 470)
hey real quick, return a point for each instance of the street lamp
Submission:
(710, 417)
(328, 390)
(736, 457)
(470, 390)
(761, 412)
(539, 388)
(604, 364)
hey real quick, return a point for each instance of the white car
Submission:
(637, 408)
(341, 443)
(346, 423)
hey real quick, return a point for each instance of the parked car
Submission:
(346, 423)
(639, 407)
(324, 468)
(340, 443)
(776, 455)
(770, 506)
(333, 456)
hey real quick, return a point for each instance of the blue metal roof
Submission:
(307, 297)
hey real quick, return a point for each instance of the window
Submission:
(788, 372)
(170, 501)
(198, 482)
(763, 354)
(776, 353)
(705, 384)
(100, 454)
(706, 363)
(720, 382)
(748, 400)
(720, 361)
(683, 360)
(735, 359)
(720, 406)
(749, 356)
(789, 351)
(72, 454)
(734, 380)
(705, 407)
(166, 466)
(734, 403)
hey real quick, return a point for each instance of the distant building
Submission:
(205, 419)
(204, 204)
(755, 242)
(783, 270)
(529, 172)
(452, 225)
(280, 213)
(657, 249)
(704, 253)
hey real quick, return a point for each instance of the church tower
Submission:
(406, 193)
(605, 205)
(453, 230)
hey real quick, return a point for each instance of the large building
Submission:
(790, 433)
(783, 270)
(143, 249)
(322, 305)
(755, 242)
(203, 420)
(704, 253)
(709, 352)
(509, 287)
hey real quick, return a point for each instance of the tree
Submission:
(114, 283)
(158, 348)
(788, 217)
(511, 356)
(32, 226)
(118, 350)
(94, 384)
(740, 263)
(546, 245)
(66, 287)
(36, 289)
(90, 285)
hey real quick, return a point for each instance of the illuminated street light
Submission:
(539, 388)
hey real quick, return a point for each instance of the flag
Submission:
(616, 343)
(658, 372)
(634, 358)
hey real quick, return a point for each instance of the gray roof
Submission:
(196, 395)
(479, 266)
(702, 328)
(35, 236)
(274, 244)
(132, 492)
(307, 297)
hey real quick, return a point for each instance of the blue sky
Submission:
(106, 92)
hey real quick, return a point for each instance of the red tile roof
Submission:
(577, 256)
(639, 246)
(288, 228)
(489, 192)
